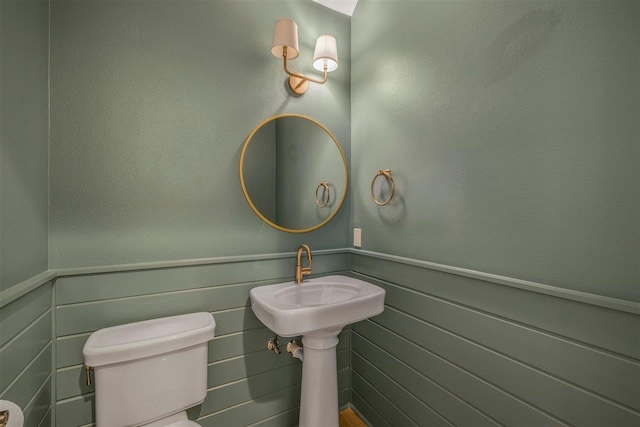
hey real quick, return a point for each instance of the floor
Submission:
(348, 418)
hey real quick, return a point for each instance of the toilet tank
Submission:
(148, 370)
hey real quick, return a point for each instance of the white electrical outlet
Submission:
(357, 237)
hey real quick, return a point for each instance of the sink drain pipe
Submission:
(296, 349)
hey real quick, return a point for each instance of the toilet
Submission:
(149, 373)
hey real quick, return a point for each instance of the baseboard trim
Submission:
(359, 414)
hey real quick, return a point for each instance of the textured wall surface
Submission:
(512, 131)
(150, 107)
(24, 43)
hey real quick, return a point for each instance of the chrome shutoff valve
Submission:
(273, 345)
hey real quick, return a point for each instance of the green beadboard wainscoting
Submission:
(247, 384)
(466, 348)
(452, 347)
(26, 352)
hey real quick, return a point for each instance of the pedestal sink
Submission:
(317, 309)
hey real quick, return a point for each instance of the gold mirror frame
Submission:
(244, 188)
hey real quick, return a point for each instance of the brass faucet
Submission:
(300, 270)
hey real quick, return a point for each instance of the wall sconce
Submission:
(285, 46)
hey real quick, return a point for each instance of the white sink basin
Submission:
(315, 305)
(318, 309)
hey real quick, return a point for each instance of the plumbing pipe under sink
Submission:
(296, 350)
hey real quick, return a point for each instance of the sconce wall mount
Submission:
(285, 46)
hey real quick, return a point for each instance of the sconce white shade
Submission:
(326, 52)
(285, 34)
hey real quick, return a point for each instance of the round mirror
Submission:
(293, 173)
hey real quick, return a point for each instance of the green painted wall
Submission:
(512, 131)
(150, 107)
(24, 44)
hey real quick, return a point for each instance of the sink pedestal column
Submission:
(319, 399)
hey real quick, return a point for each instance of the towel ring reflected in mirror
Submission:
(387, 174)
(326, 194)
(305, 153)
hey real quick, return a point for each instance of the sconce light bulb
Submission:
(325, 53)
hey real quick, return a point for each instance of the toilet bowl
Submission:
(149, 373)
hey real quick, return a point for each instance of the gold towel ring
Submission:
(324, 184)
(387, 174)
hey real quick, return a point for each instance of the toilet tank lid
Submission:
(147, 338)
